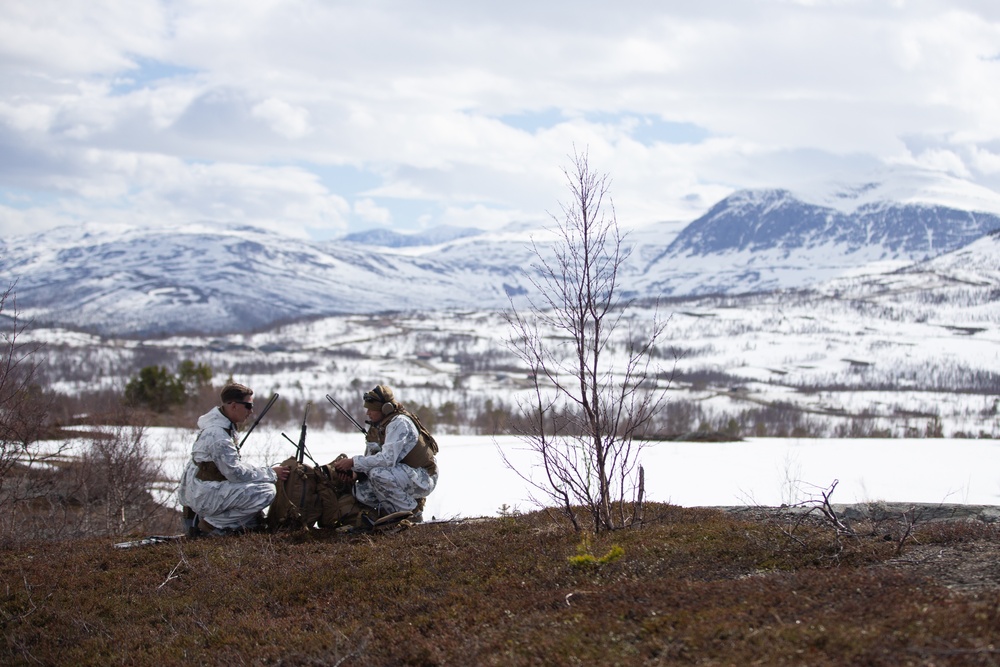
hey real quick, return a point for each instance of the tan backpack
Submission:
(313, 496)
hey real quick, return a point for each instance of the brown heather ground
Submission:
(694, 586)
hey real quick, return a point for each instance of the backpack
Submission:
(313, 495)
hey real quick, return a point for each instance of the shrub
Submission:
(155, 388)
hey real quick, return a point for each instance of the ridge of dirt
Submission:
(971, 566)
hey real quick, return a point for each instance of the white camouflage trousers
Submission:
(226, 504)
(394, 489)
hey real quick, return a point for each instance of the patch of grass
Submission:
(690, 586)
(584, 558)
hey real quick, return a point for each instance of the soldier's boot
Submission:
(418, 511)
(390, 523)
(190, 521)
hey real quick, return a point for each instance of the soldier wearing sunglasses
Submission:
(219, 492)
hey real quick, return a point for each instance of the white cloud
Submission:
(108, 186)
(289, 121)
(479, 216)
(369, 211)
(27, 117)
(242, 102)
(66, 37)
(14, 221)
(986, 161)
(942, 160)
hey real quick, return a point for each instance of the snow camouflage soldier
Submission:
(398, 469)
(218, 491)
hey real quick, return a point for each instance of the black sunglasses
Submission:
(373, 396)
(245, 404)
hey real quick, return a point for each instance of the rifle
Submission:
(301, 448)
(346, 413)
(305, 451)
(354, 421)
(270, 402)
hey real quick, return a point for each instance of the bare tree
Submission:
(44, 492)
(589, 406)
(104, 487)
(120, 472)
(23, 408)
(27, 470)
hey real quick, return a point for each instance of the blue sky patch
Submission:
(148, 72)
(649, 129)
(352, 183)
(533, 121)
(21, 199)
(345, 180)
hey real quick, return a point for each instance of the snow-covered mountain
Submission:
(392, 239)
(758, 240)
(755, 221)
(215, 279)
(218, 279)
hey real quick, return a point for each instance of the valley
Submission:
(873, 357)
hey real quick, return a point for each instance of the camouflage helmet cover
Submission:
(378, 397)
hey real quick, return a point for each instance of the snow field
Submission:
(474, 481)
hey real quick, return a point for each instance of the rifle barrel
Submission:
(270, 402)
(304, 451)
(345, 413)
(300, 452)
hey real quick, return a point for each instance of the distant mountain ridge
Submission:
(218, 279)
(389, 238)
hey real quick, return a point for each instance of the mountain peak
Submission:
(909, 218)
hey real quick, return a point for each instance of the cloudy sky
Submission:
(319, 117)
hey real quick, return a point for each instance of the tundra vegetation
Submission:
(44, 493)
(691, 586)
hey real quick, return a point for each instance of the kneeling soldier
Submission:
(219, 492)
(398, 469)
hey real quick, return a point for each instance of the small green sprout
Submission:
(584, 558)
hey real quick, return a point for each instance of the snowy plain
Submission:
(475, 482)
